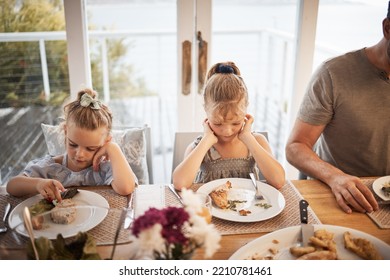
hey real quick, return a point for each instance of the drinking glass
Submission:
(206, 203)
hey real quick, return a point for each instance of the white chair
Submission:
(181, 142)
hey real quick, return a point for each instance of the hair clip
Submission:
(87, 101)
(225, 69)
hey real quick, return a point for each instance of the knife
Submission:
(172, 189)
(129, 218)
(307, 230)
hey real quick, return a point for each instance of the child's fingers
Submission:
(249, 118)
(57, 189)
(97, 159)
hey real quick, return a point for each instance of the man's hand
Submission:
(351, 193)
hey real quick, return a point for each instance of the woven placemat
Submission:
(104, 233)
(288, 217)
(382, 216)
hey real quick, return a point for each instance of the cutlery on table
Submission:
(258, 194)
(29, 227)
(118, 229)
(129, 218)
(307, 230)
(3, 228)
(172, 189)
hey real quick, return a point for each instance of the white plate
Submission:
(288, 237)
(377, 187)
(86, 218)
(242, 189)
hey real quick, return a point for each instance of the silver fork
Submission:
(258, 194)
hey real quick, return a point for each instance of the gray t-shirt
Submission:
(47, 168)
(351, 97)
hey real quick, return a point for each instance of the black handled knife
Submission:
(307, 230)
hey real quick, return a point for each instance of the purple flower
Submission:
(147, 220)
(172, 230)
(175, 216)
(171, 219)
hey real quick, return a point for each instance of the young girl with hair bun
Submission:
(228, 148)
(91, 157)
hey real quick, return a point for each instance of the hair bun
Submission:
(225, 69)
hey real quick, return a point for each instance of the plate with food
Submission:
(234, 200)
(327, 243)
(81, 211)
(381, 187)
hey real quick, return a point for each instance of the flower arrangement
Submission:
(174, 233)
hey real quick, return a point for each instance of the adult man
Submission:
(347, 109)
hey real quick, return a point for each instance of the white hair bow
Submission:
(86, 101)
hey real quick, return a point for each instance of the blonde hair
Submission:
(89, 116)
(225, 90)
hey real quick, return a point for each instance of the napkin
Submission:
(147, 196)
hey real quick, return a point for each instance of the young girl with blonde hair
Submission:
(91, 157)
(228, 148)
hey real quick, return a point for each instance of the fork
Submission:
(258, 194)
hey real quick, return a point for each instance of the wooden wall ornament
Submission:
(202, 62)
(186, 68)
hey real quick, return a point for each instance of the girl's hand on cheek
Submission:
(247, 127)
(101, 155)
(208, 132)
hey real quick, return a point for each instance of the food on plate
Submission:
(323, 240)
(244, 212)
(273, 251)
(38, 208)
(64, 212)
(321, 247)
(220, 199)
(220, 195)
(37, 222)
(361, 247)
(233, 204)
(45, 205)
(300, 251)
(386, 188)
(319, 255)
(264, 205)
